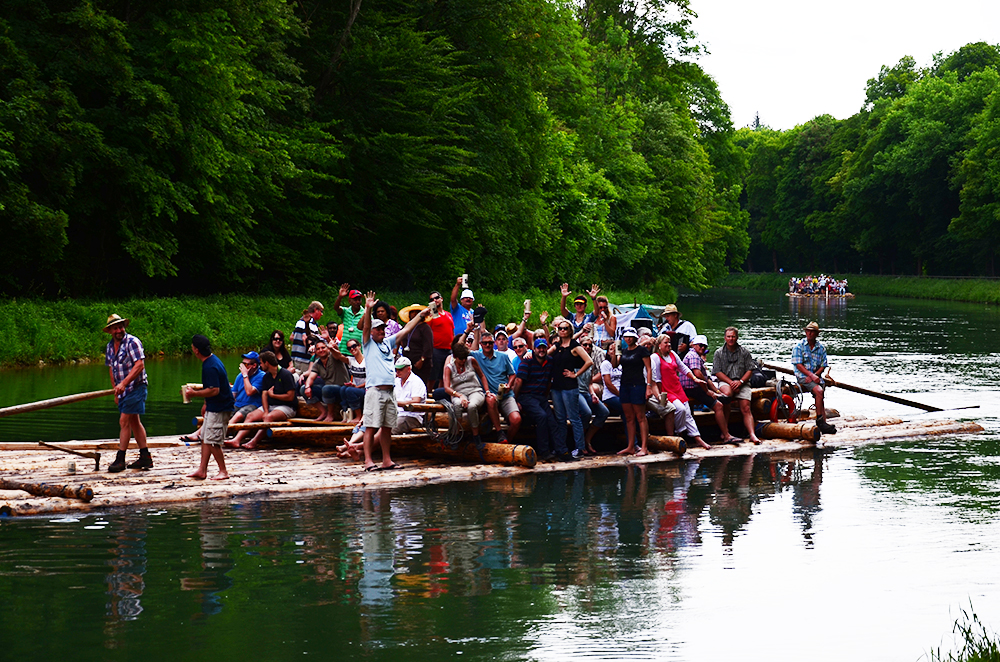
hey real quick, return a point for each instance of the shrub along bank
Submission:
(912, 287)
(70, 330)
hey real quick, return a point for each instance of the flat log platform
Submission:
(278, 471)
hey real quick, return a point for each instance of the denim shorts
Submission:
(133, 402)
(634, 394)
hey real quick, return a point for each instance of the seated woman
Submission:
(465, 382)
(667, 367)
(611, 376)
(276, 344)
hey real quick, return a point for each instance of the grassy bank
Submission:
(911, 287)
(975, 642)
(70, 330)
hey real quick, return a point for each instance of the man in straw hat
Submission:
(419, 344)
(127, 367)
(809, 358)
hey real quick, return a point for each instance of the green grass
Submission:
(69, 330)
(911, 287)
(977, 643)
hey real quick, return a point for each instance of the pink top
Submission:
(669, 380)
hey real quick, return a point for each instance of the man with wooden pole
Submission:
(127, 367)
(809, 359)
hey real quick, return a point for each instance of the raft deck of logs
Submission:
(278, 470)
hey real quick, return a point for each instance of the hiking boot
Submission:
(825, 427)
(145, 460)
(118, 464)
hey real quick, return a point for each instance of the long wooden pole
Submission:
(54, 402)
(857, 389)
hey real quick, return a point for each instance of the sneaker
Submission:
(575, 453)
(119, 463)
(145, 461)
(566, 457)
(501, 437)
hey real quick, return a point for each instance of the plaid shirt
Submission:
(129, 352)
(694, 361)
(812, 358)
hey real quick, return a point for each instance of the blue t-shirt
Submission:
(461, 316)
(380, 362)
(240, 393)
(497, 369)
(213, 375)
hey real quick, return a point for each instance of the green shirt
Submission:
(351, 329)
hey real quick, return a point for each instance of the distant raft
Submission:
(822, 295)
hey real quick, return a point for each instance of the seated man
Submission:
(531, 388)
(321, 383)
(278, 401)
(409, 389)
(499, 373)
(707, 394)
(733, 364)
(809, 358)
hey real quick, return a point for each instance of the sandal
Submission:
(188, 439)
(391, 466)
(373, 467)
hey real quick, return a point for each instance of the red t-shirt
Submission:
(442, 326)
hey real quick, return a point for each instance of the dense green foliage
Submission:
(262, 145)
(976, 290)
(908, 185)
(69, 330)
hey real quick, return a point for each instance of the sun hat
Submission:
(406, 314)
(670, 308)
(115, 320)
(467, 294)
(630, 333)
(699, 340)
(811, 326)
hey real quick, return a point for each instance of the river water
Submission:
(868, 553)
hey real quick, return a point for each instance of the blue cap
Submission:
(540, 342)
(254, 356)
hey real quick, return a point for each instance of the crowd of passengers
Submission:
(566, 377)
(820, 285)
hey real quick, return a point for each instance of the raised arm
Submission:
(412, 324)
(454, 292)
(564, 291)
(341, 293)
(366, 319)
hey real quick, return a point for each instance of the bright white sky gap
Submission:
(793, 60)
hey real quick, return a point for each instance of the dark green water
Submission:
(859, 554)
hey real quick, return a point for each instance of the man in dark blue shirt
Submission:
(531, 388)
(218, 407)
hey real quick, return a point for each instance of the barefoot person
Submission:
(732, 365)
(127, 367)
(218, 407)
(636, 387)
(277, 397)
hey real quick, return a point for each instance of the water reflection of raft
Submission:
(803, 295)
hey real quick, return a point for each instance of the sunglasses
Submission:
(351, 348)
(486, 342)
(564, 328)
(277, 338)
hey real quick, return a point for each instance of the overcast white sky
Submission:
(791, 60)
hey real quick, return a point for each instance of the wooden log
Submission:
(256, 425)
(429, 407)
(309, 436)
(81, 492)
(54, 402)
(667, 444)
(512, 454)
(311, 421)
(804, 431)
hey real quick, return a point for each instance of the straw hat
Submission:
(811, 326)
(406, 313)
(114, 320)
(670, 308)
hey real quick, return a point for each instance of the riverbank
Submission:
(972, 290)
(71, 330)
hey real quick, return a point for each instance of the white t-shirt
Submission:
(616, 379)
(357, 371)
(413, 388)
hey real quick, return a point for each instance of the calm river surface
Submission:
(868, 553)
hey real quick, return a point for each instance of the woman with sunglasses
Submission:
(636, 386)
(569, 361)
(352, 394)
(276, 344)
(465, 383)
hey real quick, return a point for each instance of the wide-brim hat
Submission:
(811, 326)
(670, 308)
(406, 314)
(114, 320)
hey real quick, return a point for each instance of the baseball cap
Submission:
(402, 362)
(253, 356)
(376, 323)
(541, 342)
(630, 332)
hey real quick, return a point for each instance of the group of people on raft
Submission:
(817, 285)
(566, 377)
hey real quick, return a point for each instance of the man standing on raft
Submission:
(809, 359)
(218, 407)
(127, 367)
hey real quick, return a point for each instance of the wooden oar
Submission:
(54, 402)
(857, 389)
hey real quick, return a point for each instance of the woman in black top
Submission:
(276, 344)
(569, 361)
(635, 389)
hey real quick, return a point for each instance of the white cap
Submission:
(402, 362)
(376, 323)
(629, 331)
(700, 340)
(466, 294)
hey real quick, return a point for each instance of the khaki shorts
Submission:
(406, 423)
(507, 406)
(213, 430)
(743, 393)
(661, 410)
(284, 409)
(380, 408)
